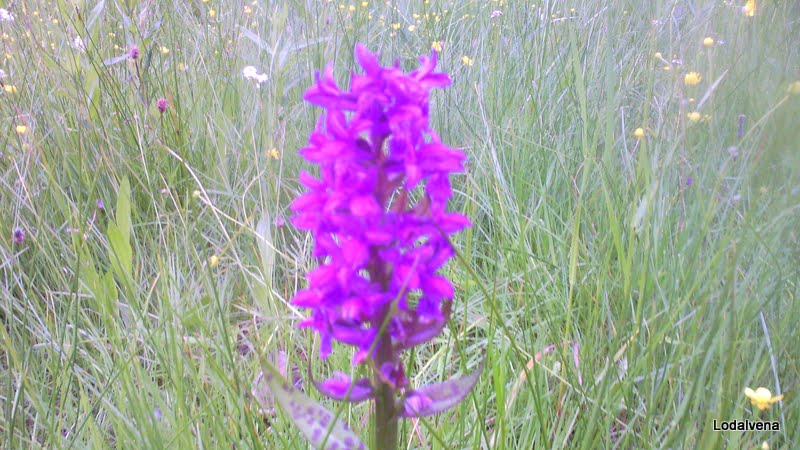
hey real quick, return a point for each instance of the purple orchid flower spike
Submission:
(377, 286)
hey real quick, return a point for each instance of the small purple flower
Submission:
(101, 205)
(688, 181)
(134, 53)
(162, 105)
(279, 221)
(18, 236)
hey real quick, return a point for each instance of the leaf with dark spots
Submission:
(317, 424)
(435, 398)
(261, 390)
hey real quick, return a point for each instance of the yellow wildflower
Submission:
(694, 116)
(273, 153)
(466, 60)
(708, 42)
(351, 8)
(437, 45)
(764, 445)
(396, 26)
(639, 133)
(21, 129)
(364, 4)
(164, 50)
(212, 13)
(10, 88)
(55, 21)
(213, 260)
(658, 55)
(692, 78)
(749, 8)
(411, 28)
(196, 194)
(761, 398)
(793, 88)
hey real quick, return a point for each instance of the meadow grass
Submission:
(668, 262)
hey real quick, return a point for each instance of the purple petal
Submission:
(364, 205)
(406, 275)
(353, 335)
(355, 252)
(326, 93)
(435, 398)
(394, 374)
(338, 386)
(325, 346)
(419, 332)
(436, 80)
(336, 125)
(322, 276)
(438, 187)
(438, 287)
(310, 200)
(439, 157)
(367, 60)
(453, 222)
(307, 298)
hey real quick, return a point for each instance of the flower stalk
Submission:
(385, 414)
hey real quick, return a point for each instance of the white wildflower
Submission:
(251, 73)
(78, 44)
(6, 16)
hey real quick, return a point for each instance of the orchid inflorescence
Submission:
(378, 216)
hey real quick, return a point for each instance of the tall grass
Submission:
(141, 323)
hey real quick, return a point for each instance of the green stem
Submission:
(385, 406)
(385, 420)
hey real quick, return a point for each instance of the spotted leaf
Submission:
(315, 422)
(435, 398)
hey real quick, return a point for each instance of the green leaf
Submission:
(121, 253)
(315, 422)
(123, 217)
(266, 247)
